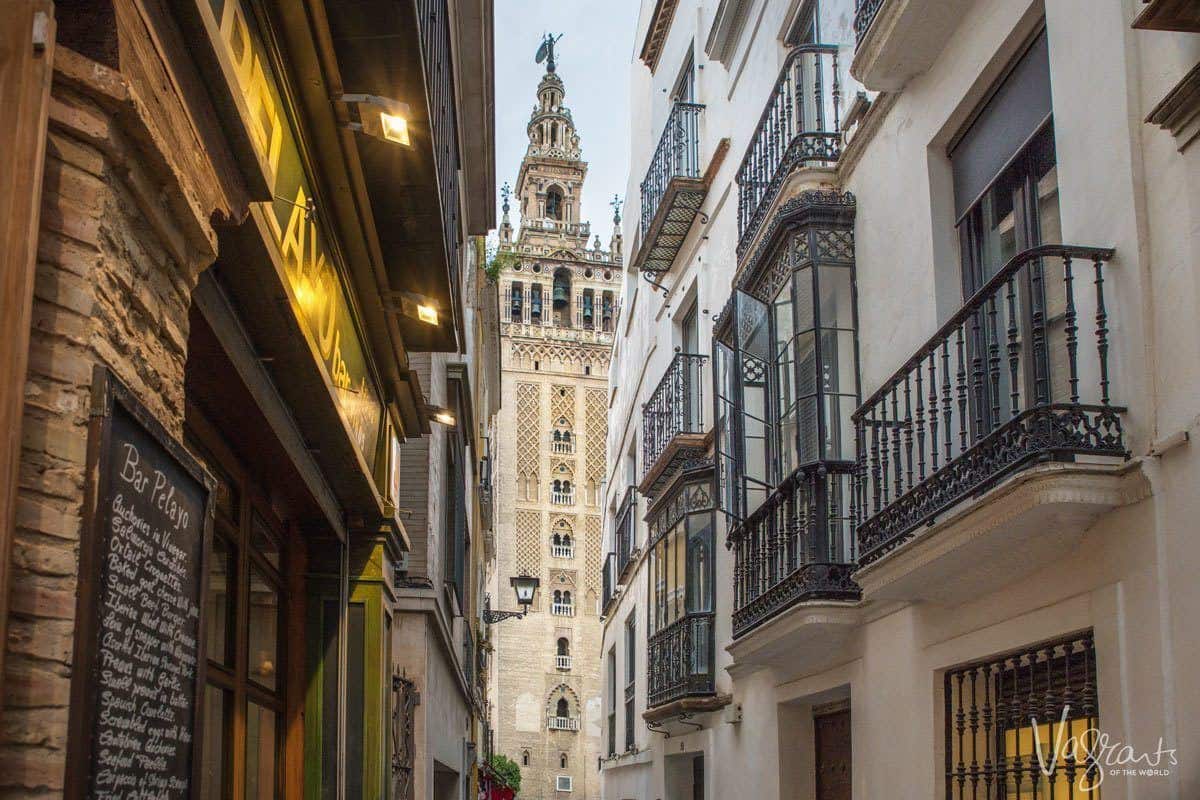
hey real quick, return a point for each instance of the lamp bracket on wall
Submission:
(310, 206)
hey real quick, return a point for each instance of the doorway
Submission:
(831, 734)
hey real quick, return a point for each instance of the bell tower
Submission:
(559, 290)
(550, 181)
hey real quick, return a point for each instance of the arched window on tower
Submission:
(524, 758)
(562, 709)
(564, 646)
(554, 199)
(562, 761)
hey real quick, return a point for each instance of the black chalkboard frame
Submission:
(108, 392)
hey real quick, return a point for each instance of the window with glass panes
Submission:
(242, 751)
(680, 642)
(630, 678)
(786, 369)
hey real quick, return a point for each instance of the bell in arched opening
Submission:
(562, 297)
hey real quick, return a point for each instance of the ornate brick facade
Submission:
(558, 308)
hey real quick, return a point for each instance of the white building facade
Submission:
(900, 494)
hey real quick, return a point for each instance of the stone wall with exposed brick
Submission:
(118, 258)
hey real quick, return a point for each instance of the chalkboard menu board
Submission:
(139, 631)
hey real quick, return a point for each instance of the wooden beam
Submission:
(217, 311)
(26, 65)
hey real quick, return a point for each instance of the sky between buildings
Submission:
(593, 61)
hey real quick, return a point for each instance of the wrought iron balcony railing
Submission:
(626, 531)
(797, 546)
(675, 407)
(562, 723)
(800, 125)
(561, 447)
(864, 15)
(680, 660)
(672, 190)
(677, 156)
(1004, 383)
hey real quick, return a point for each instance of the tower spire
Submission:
(546, 51)
(505, 225)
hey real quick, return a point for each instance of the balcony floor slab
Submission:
(904, 39)
(985, 543)
(805, 638)
(683, 451)
(686, 708)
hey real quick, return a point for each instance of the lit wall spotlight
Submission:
(411, 304)
(427, 314)
(443, 415)
(380, 117)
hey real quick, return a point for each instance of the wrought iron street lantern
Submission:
(525, 586)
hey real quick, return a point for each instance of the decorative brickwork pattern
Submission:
(529, 414)
(552, 355)
(529, 542)
(591, 545)
(562, 405)
(596, 421)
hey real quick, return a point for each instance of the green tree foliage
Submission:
(506, 768)
(496, 260)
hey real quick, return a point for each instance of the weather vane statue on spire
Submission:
(616, 207)
(546, 51)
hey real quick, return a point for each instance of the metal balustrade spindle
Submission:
(933, 414)
(898, 476)
(993, 340)
(1014, 349)
(1071, 331)
(1101, 331)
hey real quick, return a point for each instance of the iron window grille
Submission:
(626, 530)
(609, 581)
(864, 15)
(612, 702)
(1000, 712)
(630, 678)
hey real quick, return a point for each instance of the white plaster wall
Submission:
(1123, 184)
